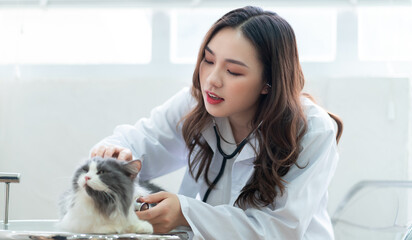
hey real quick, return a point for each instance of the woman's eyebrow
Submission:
(209, 50)
(228, 59)
(236, 62)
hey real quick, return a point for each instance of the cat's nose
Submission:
(87, 178)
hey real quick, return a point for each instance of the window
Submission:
(315, 30)
(188, 27)
(385, 33)
(75, 36)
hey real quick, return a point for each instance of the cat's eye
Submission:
(100, 172)
(85, 169)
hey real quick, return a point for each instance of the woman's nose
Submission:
(215, 78)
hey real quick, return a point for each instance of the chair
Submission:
(376, 210)
(408, 234)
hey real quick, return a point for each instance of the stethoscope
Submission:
(142, 206)
(225, 156)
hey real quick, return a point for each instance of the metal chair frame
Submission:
(8, 178)
(372, 184)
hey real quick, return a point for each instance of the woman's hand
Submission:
(113, 151)
(166, 215)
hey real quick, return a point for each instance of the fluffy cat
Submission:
(102, 199)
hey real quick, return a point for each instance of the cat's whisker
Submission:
(109, 197)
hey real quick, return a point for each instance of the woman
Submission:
(260, 154)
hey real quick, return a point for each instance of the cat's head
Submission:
(108, 182)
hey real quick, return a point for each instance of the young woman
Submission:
(259, 154)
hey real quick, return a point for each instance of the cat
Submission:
(102, 199)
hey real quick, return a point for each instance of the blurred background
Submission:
(71, 70)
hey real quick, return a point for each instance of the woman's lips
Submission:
(212, 98)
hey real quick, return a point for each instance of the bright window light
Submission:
(385, 33)
(315, 30)
(188, 27)
(75, 36)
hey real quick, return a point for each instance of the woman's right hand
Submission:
(112, 151)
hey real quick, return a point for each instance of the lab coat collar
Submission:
(225, 129)
(248, 151)
(223, 124)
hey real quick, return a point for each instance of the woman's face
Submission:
(231, 76)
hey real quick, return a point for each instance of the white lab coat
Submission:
(300, 213)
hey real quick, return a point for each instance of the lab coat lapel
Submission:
(248, 151)
(243, 168)
(209, 135)
(226, 133)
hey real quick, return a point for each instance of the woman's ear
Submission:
(266, 89)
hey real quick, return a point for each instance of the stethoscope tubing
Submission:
(224, 160)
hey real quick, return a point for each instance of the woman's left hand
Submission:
(166, 215)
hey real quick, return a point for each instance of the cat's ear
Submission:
(133, 167)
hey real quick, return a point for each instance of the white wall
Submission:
(376, 140)
(50, 127)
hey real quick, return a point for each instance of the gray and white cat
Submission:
(102, 199)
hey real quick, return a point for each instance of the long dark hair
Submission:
(279, 111)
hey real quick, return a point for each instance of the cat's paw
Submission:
(143, 227)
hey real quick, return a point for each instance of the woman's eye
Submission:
(207, 61)
(233, 73)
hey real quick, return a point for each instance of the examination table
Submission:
(46, 230)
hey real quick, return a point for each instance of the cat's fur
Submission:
(102, 197)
